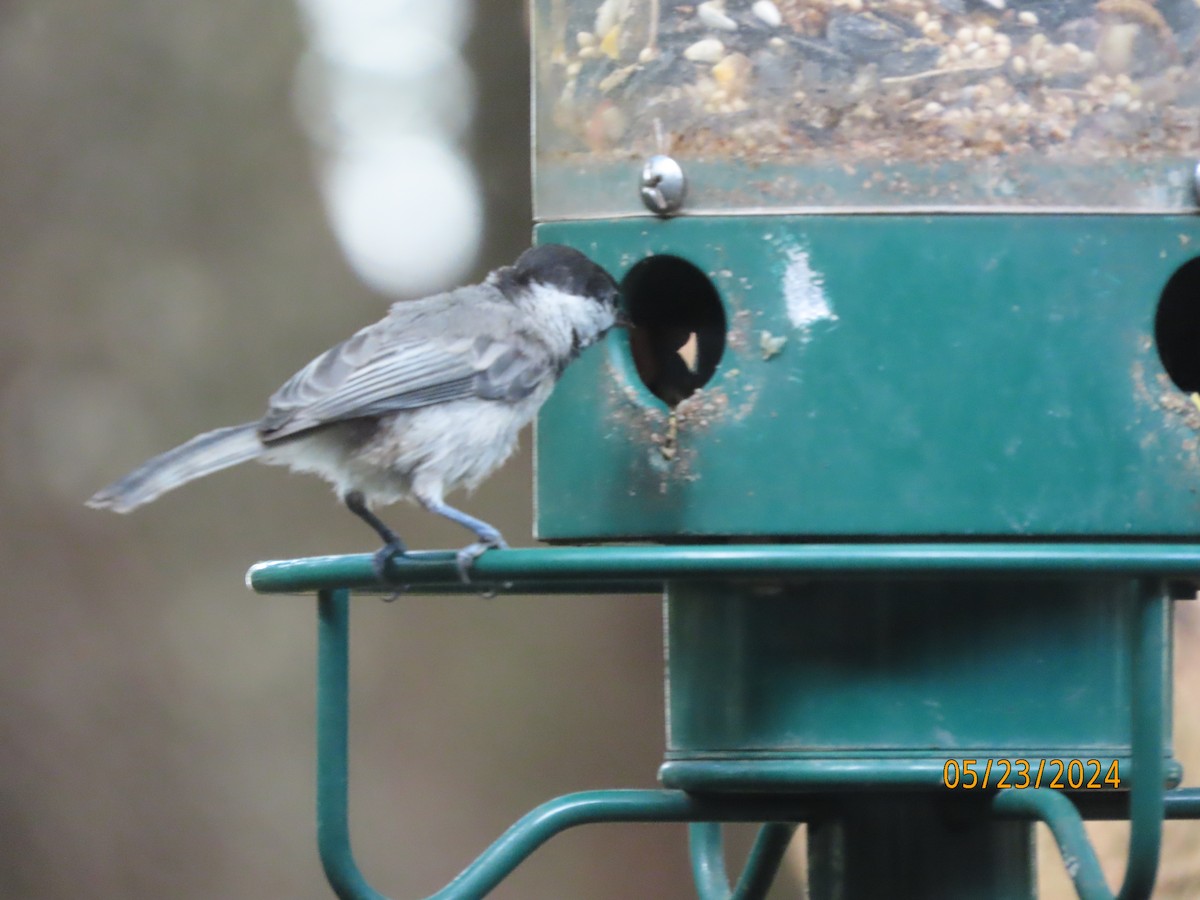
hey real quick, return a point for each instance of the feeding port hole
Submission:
(1177, 327)
(677, 333)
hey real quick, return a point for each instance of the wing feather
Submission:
(423, 353)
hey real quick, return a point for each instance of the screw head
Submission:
(663, 185)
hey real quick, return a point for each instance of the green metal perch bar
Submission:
(643, 569)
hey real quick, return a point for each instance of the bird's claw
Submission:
(383, 557)
(465, 558)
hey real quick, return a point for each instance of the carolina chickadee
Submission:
(429, 399)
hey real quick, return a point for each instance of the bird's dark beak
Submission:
(623, 320)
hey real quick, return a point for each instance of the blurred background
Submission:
(195, 199)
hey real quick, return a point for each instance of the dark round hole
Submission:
(1177, 327)
(678, 326)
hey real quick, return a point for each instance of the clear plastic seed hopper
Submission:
(846, 105)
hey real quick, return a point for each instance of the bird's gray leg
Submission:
(392, 545)
(488, 536)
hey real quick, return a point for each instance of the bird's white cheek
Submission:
(565, 321)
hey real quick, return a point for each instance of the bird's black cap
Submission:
(561, 267)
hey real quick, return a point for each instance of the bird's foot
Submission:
(465, 558)
(384, 555)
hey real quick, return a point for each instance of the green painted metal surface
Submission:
(706, 844)
(532, 830)
(840, 833)
(927, 846)
(957, 375)
(646, 569)
(1064, 822)
(877, 670)
(808, 686)
(917, 670)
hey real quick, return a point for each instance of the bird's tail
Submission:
(202, 455)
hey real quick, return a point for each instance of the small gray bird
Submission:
(429, 399)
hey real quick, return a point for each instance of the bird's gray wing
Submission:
(424, 352)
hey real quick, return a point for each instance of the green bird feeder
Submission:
(906, 428)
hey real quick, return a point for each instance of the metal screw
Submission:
(663, 185)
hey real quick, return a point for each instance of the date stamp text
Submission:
(1060, 774)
